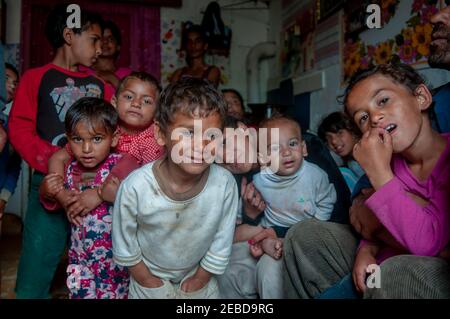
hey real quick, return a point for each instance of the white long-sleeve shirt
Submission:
(173, 237)
(290, 199)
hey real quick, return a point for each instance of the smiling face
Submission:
(341, 142)
(287, 153)
(440, 44)
(136, 105)
(86, 46)
(379, 102)
(91, 144)
(189, 155)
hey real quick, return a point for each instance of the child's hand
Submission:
(86, 201)
(197, 281)
(51, 185)
(252, 200)
(374, 153)
(109, 188)
(364, 258)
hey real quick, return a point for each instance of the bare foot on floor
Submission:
(273, 247)
(256, 250)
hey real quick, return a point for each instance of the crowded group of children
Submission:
(121, 177)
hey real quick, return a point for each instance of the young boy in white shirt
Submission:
(174, 218)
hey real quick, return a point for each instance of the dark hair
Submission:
(232, 122)
(400, 73)
(93, 111)
(193, 28)
(143, 76)
(335, 122)
(279, 117)
(237, 94)
(57, 22)
(114, 30)
(188, 95)
(12, 68)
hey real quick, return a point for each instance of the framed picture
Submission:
(327, 7)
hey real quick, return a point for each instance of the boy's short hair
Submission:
(93, 111)
(12, 68)
(115, 31)
(143, 76)
(186, 96)
(335, 122)
(57, 22)
(279, 117)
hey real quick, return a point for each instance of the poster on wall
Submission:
(297, 53)
(410, 45)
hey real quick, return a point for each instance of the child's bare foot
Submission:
(273, 247)
(255, 249)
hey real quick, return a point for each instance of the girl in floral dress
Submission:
(91, 129)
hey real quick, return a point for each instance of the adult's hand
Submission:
(362, 218)
(253, 203)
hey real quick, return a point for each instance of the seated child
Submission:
(292, 188)
(135, 100)
(90, 126)
(174, 218)
(406, 161)
(339, 132)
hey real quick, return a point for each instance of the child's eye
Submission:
(148, 101)
(383, 101)
(293, 143)
(363, 119)
(76, 139)
(97, 139)
(188, 133)
(127, 97)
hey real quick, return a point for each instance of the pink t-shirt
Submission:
(423, 231)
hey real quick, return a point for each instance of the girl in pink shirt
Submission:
(407, 162)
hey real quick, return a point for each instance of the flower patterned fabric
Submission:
(92, 273)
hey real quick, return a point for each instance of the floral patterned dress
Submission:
(92, 273)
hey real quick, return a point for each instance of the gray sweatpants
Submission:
(248, 278)
(318, 254)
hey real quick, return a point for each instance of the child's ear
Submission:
(115, 138)
(159, 134)
(68, 35)
(114, 101)
(304, 149)
(423, 96)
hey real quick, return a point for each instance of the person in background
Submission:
(196, 47)
(339, 132)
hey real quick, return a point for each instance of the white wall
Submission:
(249, 27)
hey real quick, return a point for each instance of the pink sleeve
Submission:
(421, 230)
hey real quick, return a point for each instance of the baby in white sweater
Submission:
(295, 191)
